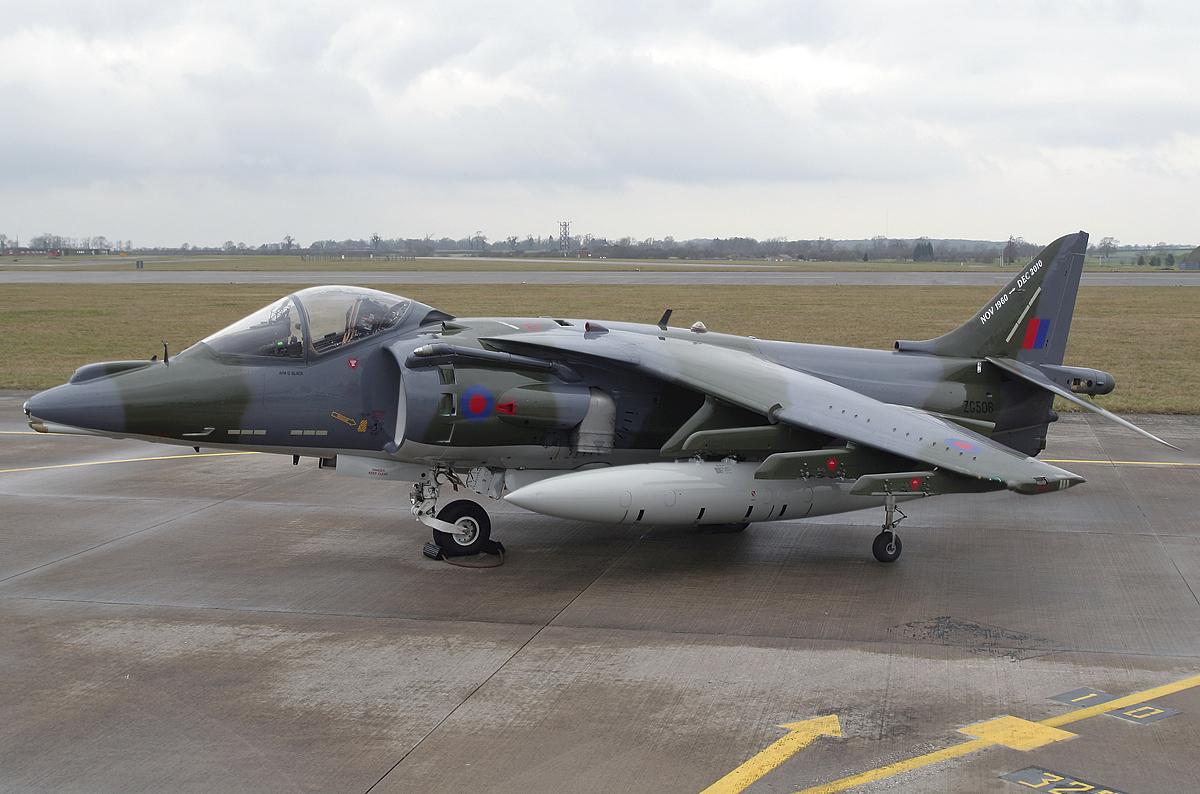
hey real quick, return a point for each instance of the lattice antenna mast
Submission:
(564, 237)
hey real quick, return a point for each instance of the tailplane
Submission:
(1029, 319)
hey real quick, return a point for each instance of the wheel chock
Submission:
(435, 552)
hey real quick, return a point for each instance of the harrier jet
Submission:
(614, 422)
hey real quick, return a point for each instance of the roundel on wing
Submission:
(961, 446)
(477, 403)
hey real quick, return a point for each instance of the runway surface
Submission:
(174, 622)
(769, 278)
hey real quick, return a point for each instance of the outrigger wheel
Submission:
(474, 529)
(886, 547)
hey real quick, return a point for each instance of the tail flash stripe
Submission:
(1031, 335)
(1035, 334)
(1043, 332)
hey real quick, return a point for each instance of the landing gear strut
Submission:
(460, 528)
(886, 547)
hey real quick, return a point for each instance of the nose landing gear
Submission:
(461, 528)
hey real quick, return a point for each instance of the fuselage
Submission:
(265, 388)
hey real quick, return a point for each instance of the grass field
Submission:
(1146, 337)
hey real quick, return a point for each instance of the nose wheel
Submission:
(473, 528)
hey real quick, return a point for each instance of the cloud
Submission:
(537, 98)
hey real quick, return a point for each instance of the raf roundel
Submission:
(477, 403)
(961, 446)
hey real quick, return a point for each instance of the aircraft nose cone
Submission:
(91, 406)
(35, 406)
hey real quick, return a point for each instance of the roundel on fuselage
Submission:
(477, 403)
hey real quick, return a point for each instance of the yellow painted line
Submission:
(872, 775)
(1006, 731)
(802, 735)
(1121, 462)
(127, 460)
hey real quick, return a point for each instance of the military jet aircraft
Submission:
(614, 422)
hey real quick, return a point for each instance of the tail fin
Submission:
(1029, 319)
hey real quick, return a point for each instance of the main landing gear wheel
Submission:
(886, 547)
(474, 529)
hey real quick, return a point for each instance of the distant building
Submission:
(1192, 262)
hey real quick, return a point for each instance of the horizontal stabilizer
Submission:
(1031, 374)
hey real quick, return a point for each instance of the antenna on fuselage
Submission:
(166, 355)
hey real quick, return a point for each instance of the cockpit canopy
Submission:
(319, 320)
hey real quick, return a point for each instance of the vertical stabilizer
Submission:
(1029, 319)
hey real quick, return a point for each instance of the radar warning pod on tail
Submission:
(611, 421)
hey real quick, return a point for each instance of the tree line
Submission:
(1016, 250)
(57, 242)
(589, 246)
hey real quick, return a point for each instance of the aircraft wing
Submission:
(786, 395)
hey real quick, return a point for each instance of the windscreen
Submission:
(274, 330)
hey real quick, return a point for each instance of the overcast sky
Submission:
(202, 121)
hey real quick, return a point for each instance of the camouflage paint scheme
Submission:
(383, 386)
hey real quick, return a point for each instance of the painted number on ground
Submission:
(1144, 713)
(1141, 713)
(1084, 696)
(1035, 777)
